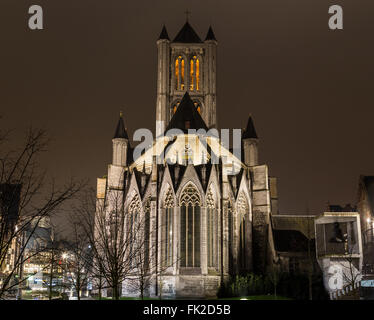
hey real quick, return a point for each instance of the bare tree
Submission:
(113, 232)
(148, 271)
(350, 268)
(77, 259)
(54, 255)
(25, 197)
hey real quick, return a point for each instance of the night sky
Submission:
(309, 89)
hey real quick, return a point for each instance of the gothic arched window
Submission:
(147, 231)
(230, 214)
(167, 229)
(194, 74)
(243, 209)
(190, 227)
(133, 223)
(211, 229)
(179, 73)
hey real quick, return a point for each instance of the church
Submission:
(208, 211)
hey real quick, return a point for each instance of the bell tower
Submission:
(186, 64)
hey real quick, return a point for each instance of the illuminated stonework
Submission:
(197, 199)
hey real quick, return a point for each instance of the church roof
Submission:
(187, 35)
(291, 241)
(301, 223)
(121, 130)
(210, 35)
(174, 149)
(164, 34)
(250, 131)
(186, 117)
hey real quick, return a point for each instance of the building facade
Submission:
(206, 212)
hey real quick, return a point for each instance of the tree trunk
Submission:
(100, 285)
(51, 276)
(78, 287)
(142, 291)
(115, 292)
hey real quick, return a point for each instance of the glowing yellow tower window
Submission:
(191, 74)
(179, 73)
(194, 74)
(182, 75)
(197, 74)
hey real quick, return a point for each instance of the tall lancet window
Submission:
(167, 229)
(134, 223)
(179, 73)
(190, 227)
(147, 231)
(230, 214)
(194, 74)
(211, 229)
(243, 216)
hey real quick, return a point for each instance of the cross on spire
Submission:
(187, 13)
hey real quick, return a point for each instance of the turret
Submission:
(210, 114)
(163, 53)
(250, 144)
(120, 144)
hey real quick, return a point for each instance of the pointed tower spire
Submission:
(120, 143)
(210, 35)
(250, 131)
(164, 34)
(186, 117)
(121, 130)
(187, 35)
(250, 144)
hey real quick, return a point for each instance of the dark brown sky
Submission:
(309, 89)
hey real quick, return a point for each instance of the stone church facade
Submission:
(208, 211)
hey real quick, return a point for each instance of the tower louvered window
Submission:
(194, 74)
(179, 73)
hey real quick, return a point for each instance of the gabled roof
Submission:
(210, 35)
(186, 117)
(121, 130)
(291, 241)
(164, 34)
(250, 131)
(187, 35)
